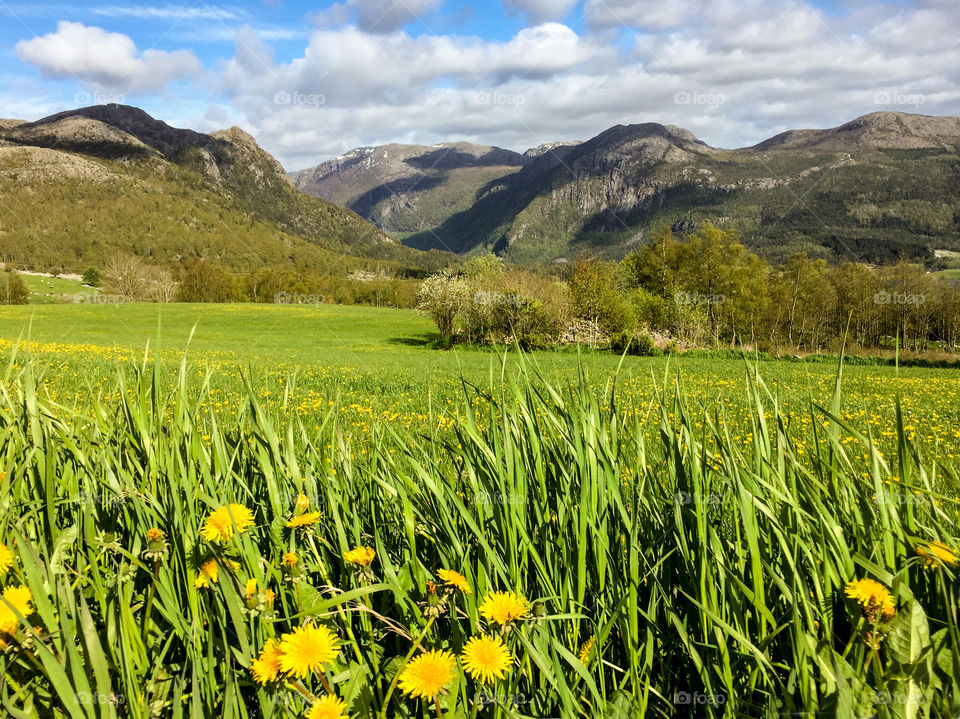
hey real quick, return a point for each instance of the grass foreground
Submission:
(185, 538)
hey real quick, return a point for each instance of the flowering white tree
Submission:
(442, 297)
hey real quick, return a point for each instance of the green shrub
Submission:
(636, 344)
(92, 277)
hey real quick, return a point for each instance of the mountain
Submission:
(405, 189)
(882, 186)
(83, 185)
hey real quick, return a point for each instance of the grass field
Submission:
(679, 538)
(51, 290)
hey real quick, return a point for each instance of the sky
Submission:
(311, 80)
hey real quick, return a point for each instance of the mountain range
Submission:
(82, 186)
(883, 186)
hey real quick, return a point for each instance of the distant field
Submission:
(372, 363)
(47, 290)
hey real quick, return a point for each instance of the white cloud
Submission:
(733, 71)
(106, 61)
(647, 14)
(378, 16)
(169, 12)
(541, 10)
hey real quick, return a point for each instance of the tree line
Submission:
(704, 289)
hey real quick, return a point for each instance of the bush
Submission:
(13, 290)
(638, 345)
(92, 277)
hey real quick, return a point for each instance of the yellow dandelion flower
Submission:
(328, 707)
(290, 559)
(307, 649)
(427, 675)
(930, 552)
(269, 596)
(302, 504)
(361, 556)
(486, 658)
(210, 572)
(222, 522)
(266, 667)
(6, 559)
(305, 520)
(250, 589)
(455, 579)
(872, 596)
(504, 607)
(154, 534)
(18, 598)
(584, 655)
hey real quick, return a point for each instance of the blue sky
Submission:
(312, 80)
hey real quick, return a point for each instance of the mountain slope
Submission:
(882, 186)
(405, 189)
(83, 185)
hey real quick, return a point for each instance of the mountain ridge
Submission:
(133, 183)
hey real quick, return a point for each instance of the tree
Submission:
(205, 281)
(483, 267)
(162, 286)
(126, 276)
(442, 296)
(13, 290)
(92, 277)
(595, 298)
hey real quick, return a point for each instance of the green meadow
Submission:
(184, 489)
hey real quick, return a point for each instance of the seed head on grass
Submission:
(427, 675)
(486, 659)
(307, 648)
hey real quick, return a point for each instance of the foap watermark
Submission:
(699, 699)
(697, 298)
(299, 99)
(497, 498)
(315, 499)
(899, 98)
(96, 298)
(899, 699)
(688, 498)
(483, 699)
(297, 298)
(500, 98)
(898, 298)
(82, 99)
(100, 699)
(99, 499)
(899, 498)
(689, 97)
